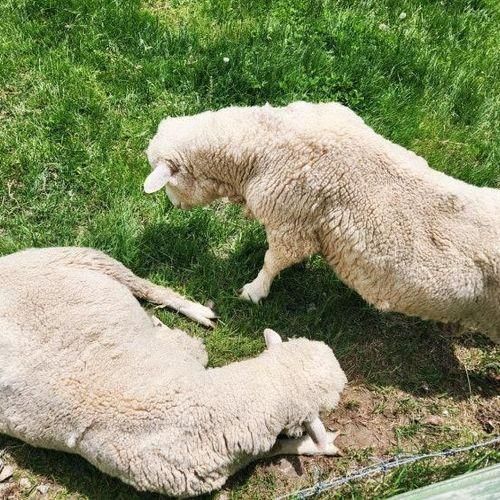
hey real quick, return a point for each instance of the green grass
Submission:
(83, 86)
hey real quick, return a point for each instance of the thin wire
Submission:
(384, 466)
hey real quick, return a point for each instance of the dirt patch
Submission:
(10, 491)
(365, 420)
(488, 415)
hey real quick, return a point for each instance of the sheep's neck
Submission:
(233, 174)
(237, 161)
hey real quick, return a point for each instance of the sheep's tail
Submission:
(95, 260)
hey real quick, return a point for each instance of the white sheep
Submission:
(406, 237)
(84, 369)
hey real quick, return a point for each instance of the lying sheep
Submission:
(84, 369)
(407, 238)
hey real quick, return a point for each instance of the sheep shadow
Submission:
(374, 348)
(386, 350)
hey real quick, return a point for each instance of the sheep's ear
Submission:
(158, 178)
(271, 337)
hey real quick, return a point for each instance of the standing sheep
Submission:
(84, 369)
(406, 237)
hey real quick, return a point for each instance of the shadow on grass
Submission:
(385, 350)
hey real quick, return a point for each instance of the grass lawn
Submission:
(83, 86)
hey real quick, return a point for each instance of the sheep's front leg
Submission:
(259, 288)
(278, 257)
(274, 262)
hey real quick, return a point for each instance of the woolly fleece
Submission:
(84, 369)
(406, 237)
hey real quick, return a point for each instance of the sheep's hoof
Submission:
(328, 449)
(199, 313)
(249, 293)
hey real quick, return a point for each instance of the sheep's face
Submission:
(182, 188)
(169, 166)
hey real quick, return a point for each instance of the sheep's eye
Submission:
(174, 168)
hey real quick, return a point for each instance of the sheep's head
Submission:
(176, 157)
(182, 188)
(333, 381)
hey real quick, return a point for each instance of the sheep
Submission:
(84, 369)
(406, 237)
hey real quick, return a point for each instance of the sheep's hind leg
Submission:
(304, 446)
(141, 288)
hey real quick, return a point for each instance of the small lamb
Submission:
(84, 369)
(406, 237)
